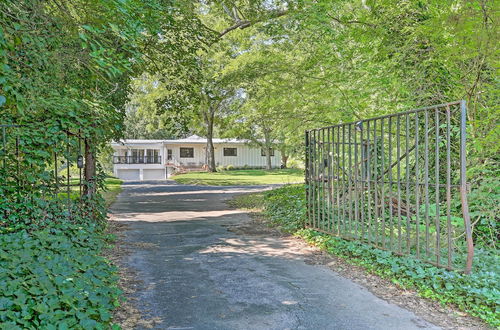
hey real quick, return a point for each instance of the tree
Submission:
(66, 66)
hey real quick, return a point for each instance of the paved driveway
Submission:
(198, 274)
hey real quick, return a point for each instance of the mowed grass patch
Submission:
(242, 177)
(113, 187)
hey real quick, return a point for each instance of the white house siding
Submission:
(197, 160)
(246, 155)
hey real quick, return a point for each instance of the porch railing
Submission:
(136, 159)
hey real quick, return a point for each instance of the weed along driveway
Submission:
(202, 265)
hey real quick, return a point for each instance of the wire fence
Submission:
(396, 182)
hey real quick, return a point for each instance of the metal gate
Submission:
(396, 182)
(48, 170)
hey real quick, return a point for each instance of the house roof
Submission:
(193, 139)
(199, 139)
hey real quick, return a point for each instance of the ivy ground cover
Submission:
(52, 273)
(55, 278)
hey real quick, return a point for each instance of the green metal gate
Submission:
(396, 182)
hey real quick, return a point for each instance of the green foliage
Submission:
(286, 207)
(484, 204)
(55, 278)
(252, 201)
(477, 294)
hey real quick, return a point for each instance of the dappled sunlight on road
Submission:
(168, 216)
(289, 248)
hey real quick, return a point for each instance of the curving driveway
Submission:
(197, 272)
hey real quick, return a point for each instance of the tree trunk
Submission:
(284, 159)
(267, 143)
(209, 118)
(89, 170)
(269, 165)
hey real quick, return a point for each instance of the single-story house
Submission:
(158, 159)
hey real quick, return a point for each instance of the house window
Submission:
(230, 152)
(187, 152)
(263, 152)
(137, 156)
(152, 156)
(169, 154)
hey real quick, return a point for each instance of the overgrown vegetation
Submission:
(52, 273)
(65, 74)
(477, 294)
(55, 278)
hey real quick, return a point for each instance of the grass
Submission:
(242, 177)
(113, 188)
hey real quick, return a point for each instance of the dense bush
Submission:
(477, 294)
(55, 277)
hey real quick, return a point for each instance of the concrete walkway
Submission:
(197, 274)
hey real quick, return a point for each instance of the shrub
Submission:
(220, 168)
(229, 167)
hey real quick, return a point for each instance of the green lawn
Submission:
(113, 188)
(242, 177)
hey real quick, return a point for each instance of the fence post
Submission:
(463, 187)
(308, 217)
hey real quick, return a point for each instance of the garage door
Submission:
(128, 174)
(158, 174)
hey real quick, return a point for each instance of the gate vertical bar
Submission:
(352, 226)
(382, 179)
(329, 182)
(391, 234)
(356, 187)
(375, 183)
(448, 185)
(366, 163)
(426, 181)
(398, 155)
(323, 170)
(436, 166)
(313, 178)
(339, 185)
(407, 179)
(463, 188)
(417, 188)
(307, 179)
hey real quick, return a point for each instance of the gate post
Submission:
(463, 188)
(308, 216)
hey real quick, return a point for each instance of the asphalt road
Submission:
(195, 273)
